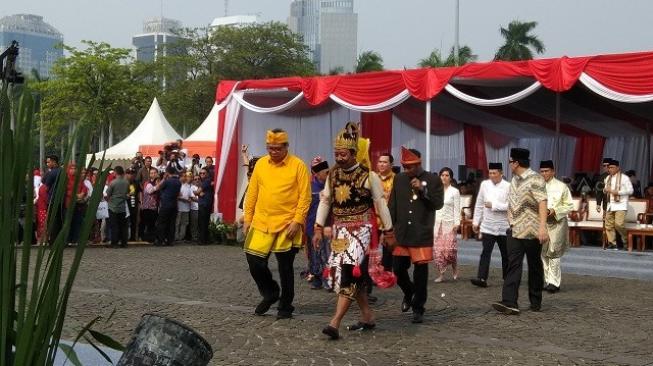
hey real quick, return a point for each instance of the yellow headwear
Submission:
(363, 153)
(276, 137)
(347, 138)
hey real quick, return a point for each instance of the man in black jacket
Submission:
(415, 196)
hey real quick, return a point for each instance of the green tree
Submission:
(465, 55)
(337, 70)
(519, 42)
(369, 61)
(95, 87)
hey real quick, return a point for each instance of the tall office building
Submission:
(37, 41)
(329, 29)
(237, 21)
(158, 39)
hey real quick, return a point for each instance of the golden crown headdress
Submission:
(347, 138)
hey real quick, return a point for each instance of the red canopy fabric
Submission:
(630, 73)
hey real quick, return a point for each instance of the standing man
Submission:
(617, 190)
(527, 214)
(559, 204)
(117, 196)
(143, 174)
(150, 207)
(55, 222)
(491, 219)
(205, 202)
(168, 190)
(317, 255)
(349, 195)
(384, 170)
(210, 168)
(276, 206)
(416, 195)
(601, 199)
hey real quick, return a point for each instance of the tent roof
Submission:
(154, 129)
(208, 130)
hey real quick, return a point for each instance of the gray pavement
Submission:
(597, 318)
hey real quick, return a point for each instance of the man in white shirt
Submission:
(491, 219)
(617, 189)
(183, 206)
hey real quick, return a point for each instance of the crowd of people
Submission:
(162, 204)
(365, 228)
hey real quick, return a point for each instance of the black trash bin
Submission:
(159, 341)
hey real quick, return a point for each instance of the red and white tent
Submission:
(573, 110)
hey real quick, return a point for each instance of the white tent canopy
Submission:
(154, 129)
(208, 130)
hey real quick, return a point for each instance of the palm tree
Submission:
(369, 61)
(519, 42)
(465, 55)
(435, 59)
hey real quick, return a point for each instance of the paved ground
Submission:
(595, 320)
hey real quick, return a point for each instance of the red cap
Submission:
(408, 157)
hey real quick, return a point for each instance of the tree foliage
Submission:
(369, 61)
(519, 42)
(435, 59)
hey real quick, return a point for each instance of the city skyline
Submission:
(402, 32)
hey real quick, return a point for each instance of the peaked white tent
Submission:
(154, 129)
(208, 130)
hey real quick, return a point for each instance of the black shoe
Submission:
(536, 307)
(265, 305)
(552, 289)
(361, 326)
(284, 314)
(371, 299)
(418, 318)
(478, 282)
(406, 304)
(331, 332)
(505, 309)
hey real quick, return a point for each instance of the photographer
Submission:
(175, 162)
(162, 162)
(196, 166)
(137, 162)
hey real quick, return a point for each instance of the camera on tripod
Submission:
(8, 71)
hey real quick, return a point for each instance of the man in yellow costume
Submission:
(276, 205)
(349, 195)
(559, 204)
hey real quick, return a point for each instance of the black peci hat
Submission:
(546, 164)
(497, 166)
(517, 153)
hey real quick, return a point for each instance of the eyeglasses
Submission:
(511, 161)
(275, 148)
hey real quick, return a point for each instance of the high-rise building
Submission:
(235, 21)
(329, 29)
(158, 39)
(38, 42)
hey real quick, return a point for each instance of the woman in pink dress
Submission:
(447, 222)
(40, 206)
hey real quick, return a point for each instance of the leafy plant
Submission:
(34, 301)
(222, 232)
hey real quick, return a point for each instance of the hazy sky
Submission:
(402, 31)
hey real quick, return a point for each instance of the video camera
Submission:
(8, 72)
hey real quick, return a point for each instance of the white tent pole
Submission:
(428, 136)
(647, 177)
(556, 145)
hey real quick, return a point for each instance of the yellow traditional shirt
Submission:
(386, 182)
(278, 194)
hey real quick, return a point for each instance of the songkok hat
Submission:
(347, 138)
(606, 161)
(410, 156)
(276, 137)
(614, 162)
(517, 153)
(497, 166)
(546, 164)
(318, 164)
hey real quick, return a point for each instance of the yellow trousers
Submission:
(615, 222)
